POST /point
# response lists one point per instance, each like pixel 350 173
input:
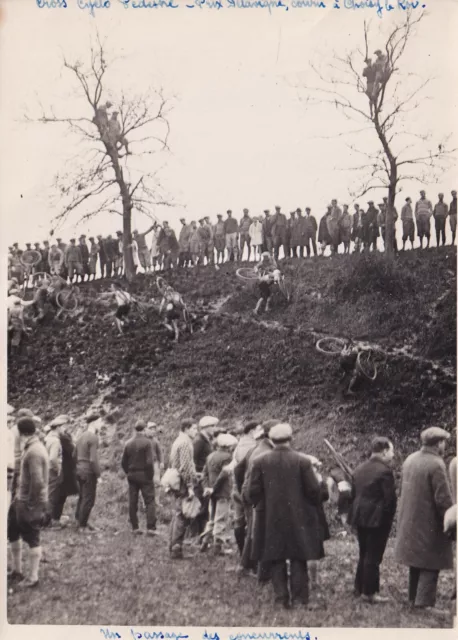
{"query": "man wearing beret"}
pixel 28 510
pixel 138 464
pixel 421 543
pixel 291 526
pixel 87 472
pixel 372 514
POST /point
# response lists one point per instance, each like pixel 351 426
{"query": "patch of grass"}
pixel 115 578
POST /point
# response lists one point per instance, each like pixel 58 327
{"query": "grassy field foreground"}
pixel 114 578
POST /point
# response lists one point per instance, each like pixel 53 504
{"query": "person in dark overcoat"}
pixel 372 513
pixel 285 483
pixel 255 521
pixel 421 542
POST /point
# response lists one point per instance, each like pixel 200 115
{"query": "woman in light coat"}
pixel 257 237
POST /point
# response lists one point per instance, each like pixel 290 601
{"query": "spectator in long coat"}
pixel 324 237
pixel 333 222
pixel 279 232
pixel 295 230
pixel 255 518
pixel 370 227
pixel 284 482
pixel 310 228
pixel 421 543
pixel 372 514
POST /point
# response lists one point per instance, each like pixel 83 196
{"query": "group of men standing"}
pixel 275 492
pixel 204 242
pixel 278 517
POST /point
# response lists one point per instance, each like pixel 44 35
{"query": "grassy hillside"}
pixel 239 367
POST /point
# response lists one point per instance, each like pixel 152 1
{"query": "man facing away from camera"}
pixel 372 514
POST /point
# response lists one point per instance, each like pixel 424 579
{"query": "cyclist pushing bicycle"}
pixel 175 307
pixel 268 274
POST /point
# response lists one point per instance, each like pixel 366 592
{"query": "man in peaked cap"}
pixel 138 465
pixel 421 543
pixel 290 528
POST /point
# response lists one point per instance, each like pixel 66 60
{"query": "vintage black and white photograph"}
pixel 229 246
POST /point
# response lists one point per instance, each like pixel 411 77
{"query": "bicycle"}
pixel 250 275
pixel 67 299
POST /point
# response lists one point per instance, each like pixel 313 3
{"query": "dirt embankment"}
pixel 240 367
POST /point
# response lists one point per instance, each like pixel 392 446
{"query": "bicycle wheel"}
pixel 366 365
pixel 30 258
pixel 330 346
pixel 161 285
pixel 285 288
pixel 67 300
pixel 247 274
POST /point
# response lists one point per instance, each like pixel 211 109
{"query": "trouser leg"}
pixel 88 488
pixel 414 575
pixel 149 498
pixel 279 581
pixel 133 504
pixel 427 588
pixel 178 526
pixel 299 581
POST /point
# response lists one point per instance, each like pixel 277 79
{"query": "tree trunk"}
pixel 126 212
pixel 127 231
pixel 389 222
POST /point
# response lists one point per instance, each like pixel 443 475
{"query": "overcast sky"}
pixel 240 136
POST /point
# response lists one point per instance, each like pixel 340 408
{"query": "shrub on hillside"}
pixel 372 273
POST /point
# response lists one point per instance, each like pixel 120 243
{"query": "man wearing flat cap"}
pixel 138 465
pixel 202 446
pixel 255 513
pixel 291 526
pixel 87 472
pixel 421 543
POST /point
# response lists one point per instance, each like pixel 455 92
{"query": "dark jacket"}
pixel 202 449
pixel 214 477
pixel 374 495
pixel 284 480
pixel 84 252
pixel 137 459
pixel 68 472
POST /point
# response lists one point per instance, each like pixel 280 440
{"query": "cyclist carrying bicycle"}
pixel 47 292
pixel 269 275
pixel 123 304
pixel 175 307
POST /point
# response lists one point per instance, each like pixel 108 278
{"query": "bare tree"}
pixel 381 98
pixel 106 177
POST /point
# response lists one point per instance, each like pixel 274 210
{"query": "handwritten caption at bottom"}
pixel 133 634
